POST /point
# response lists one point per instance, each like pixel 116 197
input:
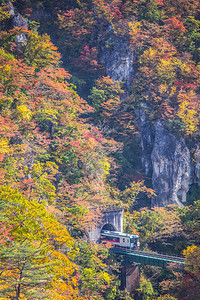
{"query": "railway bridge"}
pixel 132 259
pixel 111 218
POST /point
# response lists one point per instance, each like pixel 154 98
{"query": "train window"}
pixel 123 240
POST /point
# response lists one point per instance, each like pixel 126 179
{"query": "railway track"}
pixel 148 258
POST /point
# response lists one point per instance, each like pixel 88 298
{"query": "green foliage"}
pixel 146 289
pixel 95 272
pixel 105 96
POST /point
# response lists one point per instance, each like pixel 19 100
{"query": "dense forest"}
pixel 70 139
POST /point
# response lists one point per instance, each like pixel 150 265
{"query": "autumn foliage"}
pixel 61 154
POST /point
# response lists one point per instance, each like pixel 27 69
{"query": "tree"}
pixel 33 261
pixel 105 96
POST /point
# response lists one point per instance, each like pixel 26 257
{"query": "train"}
pixel 119 239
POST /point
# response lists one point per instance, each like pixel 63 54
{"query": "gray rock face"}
pixel 196 177
pixel 146 141
pixel 18 21
pixel 171 168
pixel 118 57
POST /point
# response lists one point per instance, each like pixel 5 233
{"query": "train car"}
pixel 119 239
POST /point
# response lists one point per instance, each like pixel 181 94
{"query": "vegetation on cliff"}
pixel 60 154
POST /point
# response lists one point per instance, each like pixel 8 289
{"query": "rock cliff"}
pixel 18 21
pixel 118 57
pixel 171 167
pixel 164 156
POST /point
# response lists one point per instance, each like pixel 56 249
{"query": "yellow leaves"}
pixel 106 277
pixel 106 166
pixel 129 195
pixel 42 175
pixel 187 113
pixel 190 249
pixel 148 55
pixel 4 13
pixel 166 70
pixel 5 73
pixel 31 217
pixel 192 260
pixel 65 283
pixel 39 51
pixel 24 111
pixel 65 290
pixel 163 88
pixel 47 112
pixel 4 145
pixel 134 26
pixel 38 228
pixel 63 267
pixel 134 31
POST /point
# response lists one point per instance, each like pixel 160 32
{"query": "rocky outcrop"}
pixel 18 21
pixel 118 57
pixel 164 156
pixel 171 167
pixel 196 176
pixel 146 141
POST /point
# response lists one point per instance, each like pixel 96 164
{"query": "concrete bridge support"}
pixel 130 277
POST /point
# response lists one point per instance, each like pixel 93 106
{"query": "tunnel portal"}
pixel 111 219
pixel 109 227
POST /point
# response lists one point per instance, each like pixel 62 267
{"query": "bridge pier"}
pixel 130 277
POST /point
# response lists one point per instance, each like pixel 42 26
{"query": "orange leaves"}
pixel 175 25
pixel 106 95
pixel 108 9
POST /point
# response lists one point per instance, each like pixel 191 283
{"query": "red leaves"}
pixel 88 61
pixel 175 24
pixel 185 85
pixel 5 233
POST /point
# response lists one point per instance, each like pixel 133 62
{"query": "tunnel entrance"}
pixel 109 227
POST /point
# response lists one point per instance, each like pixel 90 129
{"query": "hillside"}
pixel 99 105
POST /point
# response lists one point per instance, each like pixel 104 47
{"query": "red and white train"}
pixel 119 239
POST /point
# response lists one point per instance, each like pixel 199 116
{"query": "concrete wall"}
pixel 111 219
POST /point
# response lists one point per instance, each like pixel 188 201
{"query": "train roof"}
pixel 118 233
